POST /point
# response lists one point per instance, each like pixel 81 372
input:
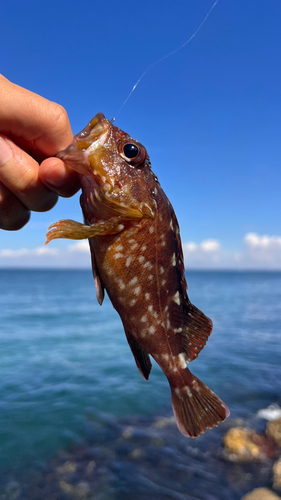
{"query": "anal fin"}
pixel 142 358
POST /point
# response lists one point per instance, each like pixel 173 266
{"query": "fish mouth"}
pixel 76 155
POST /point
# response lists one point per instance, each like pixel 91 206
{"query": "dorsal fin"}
pixel 178 253
pixel 193 327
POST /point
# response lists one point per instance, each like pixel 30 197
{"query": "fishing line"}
pixel 168 55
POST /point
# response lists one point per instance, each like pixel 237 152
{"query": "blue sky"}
pixel 209 116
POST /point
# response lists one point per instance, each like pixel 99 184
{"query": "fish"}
pixel 137 259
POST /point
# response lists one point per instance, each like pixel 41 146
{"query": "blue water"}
pixel 65 360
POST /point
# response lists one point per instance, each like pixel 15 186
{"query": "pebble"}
pixel 273 429
pixel 247 445
pixel 261 494
pixel 277 475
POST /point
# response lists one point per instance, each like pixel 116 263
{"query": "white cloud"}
pixel 257 252
pixel 209 246
pixel 80 246
pixel 23 252
pixel 253 240
pixel 202 255
pixel 76 255
pixel 262 251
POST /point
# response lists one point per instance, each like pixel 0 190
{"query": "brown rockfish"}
pixel 137 258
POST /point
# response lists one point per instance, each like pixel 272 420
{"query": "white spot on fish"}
pixel 133 281
pixel 128 261
pixel 148 265
pixel 147 296
pixel 141 259
pixel 118 255
pixel 137 290
pixel 151 329
pixel 151 229
pixel 188 391
pixel 121 284
pixel 177 330
pixel 119 248
pixel 166 357
pixel 174 262
pixel 132 303
pixel 143 248
pixel 163 282
pixel 143 319
pixel 150 277
pixel 177 298
pixel 120 227
pixel 132 240
pixel 177 391
pixel 171 225
pixel 133 247
pixel 161 270
pixel 182 361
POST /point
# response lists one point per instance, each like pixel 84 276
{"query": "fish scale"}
pixel 137 258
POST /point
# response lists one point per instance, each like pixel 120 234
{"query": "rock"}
pixel 67 467
pixel 163 422
pixel 261 494
pixel 273 429
pixel 273 412
pixel 247 445
pixel 137 453
pixel 90 467
pixel 277 475
pixel 80 491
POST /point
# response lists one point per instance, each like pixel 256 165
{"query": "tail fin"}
pixel 195 406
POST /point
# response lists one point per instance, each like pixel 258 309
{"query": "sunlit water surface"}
pixel 65 360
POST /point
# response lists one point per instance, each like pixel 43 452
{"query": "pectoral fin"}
pixel 73 230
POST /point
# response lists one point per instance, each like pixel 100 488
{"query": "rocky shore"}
pixel 147 458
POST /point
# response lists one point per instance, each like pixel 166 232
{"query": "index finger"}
pixel 33 118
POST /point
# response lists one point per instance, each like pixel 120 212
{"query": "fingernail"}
pixel 5 152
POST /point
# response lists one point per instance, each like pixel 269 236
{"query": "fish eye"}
pixel 133 152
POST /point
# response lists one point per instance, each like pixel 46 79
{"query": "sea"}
pixel 67 373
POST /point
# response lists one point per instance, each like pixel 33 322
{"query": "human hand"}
pixel 32 130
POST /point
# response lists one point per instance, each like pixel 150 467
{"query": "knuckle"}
pixel 60 117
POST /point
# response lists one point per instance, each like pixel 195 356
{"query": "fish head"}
pixel 114 168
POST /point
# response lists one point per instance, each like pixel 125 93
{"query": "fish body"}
pixel 137 258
